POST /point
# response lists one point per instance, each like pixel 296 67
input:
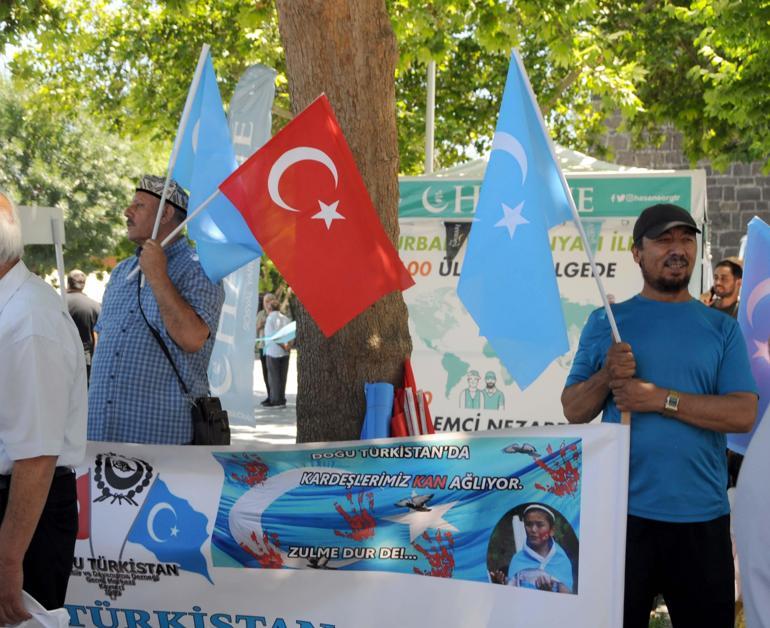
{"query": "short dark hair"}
pixel 734 267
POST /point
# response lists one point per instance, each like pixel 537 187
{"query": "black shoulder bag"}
pixel 209 421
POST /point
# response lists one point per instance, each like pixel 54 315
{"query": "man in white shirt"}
pixel 277 354
pixel 42 431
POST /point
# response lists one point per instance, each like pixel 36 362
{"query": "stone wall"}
pixel 734 196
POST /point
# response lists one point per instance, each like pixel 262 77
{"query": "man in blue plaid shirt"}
pixel 135 396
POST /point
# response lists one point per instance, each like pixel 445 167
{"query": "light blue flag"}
pixel 285 334
pixel 206 158
pixel 171 529
pixel 507 281
pixel 754 320
pixel 232 360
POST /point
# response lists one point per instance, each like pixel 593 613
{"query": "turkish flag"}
pixel 84 505
pixel 306 203
pixel 398 420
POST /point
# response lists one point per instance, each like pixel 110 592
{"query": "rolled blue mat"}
pixel 379 408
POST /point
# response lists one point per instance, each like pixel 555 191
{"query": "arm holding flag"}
pixel 616 375
pixel 183 324
pixel 583 401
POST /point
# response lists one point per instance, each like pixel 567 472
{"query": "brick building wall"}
pixel 735 196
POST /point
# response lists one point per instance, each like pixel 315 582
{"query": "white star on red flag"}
pixel 328 213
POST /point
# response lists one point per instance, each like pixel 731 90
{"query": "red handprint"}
pixel 267 551
pixel 360 520
pixel 255 471
pixel 565 475
pixel 440 555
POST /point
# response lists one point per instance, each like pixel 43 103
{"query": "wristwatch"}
pixel 671 404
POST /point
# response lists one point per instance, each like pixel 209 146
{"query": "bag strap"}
pixel 156 335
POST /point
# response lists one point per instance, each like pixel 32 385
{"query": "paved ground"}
pixel 273 425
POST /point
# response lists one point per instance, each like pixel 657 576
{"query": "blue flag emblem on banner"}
pixel 754 320
pixel 507 283
pixel 171 529
pixel 206 158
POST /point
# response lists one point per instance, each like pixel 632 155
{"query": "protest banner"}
pixel 398 532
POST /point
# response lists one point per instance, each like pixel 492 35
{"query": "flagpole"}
pixel 177 144
pixel 430 112
pixel 180 134
pixel 133 523
pixel 190 216
pixel 625 417
pixel 181 226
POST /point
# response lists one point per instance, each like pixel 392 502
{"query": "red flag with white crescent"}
pixel 306 203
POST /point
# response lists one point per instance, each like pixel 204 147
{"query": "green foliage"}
pixel 565 44
pixel 270 279
pixel 131 62
pixel 69 162
pixel 659 622
pixel 21 17
pixel 706 73
pixel 734 60
pixel 697 64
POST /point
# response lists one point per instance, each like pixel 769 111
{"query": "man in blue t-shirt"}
pixel 682 370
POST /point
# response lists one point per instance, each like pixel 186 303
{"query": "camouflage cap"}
pixel 175 195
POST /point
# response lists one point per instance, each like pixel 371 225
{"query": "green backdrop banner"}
pixel 600 197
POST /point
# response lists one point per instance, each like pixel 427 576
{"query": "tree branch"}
pixel 563 85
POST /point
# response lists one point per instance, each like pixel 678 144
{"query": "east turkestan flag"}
pixel 507 282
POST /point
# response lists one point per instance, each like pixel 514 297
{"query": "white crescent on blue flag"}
pixel 754 320
pixel 206 157
pixel 171 529
pixel 507 283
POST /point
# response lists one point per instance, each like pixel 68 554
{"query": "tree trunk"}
pixel 347 49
